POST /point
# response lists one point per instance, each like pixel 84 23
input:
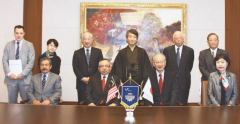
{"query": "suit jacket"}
pixel 27 56
pixel 52 89
pixel 80 66
pixel 157 98
pixel 120 65
pixel 56 62
pixel 206 64
pixel 94 90
pixel 214 89
pixel 178 79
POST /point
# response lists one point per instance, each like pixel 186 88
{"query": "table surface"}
pixel 77 114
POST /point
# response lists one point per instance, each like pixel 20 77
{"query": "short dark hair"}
pixel 18 27
pixel 46 58
pixel 132 31
pixel 210 34
pixel 222 56
pixel 54 41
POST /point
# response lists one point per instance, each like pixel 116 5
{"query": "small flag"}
pixel 147 91
pixel 112 93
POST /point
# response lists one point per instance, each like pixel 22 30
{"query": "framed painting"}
pixel 155 22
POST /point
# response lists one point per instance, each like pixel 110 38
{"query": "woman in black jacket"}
pixel 52 45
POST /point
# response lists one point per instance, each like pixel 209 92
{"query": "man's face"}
pixel 45 66
pixel 19 34
pixel 104 67
pixel 51 47
pixel 87 40
pixel 131 39
pixel 159 63
pixel 178 39
pixel 213 41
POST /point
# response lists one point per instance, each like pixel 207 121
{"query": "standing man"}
pixel 132 60
pixel 157 76
pixel 85 64
pixel 178 71
pixel 206 64
pixel 45 87
pixel 100 84
pixel 18 60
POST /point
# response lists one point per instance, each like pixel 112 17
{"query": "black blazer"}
pixel 80 66
pixel 157 98
pixel 206 64
pixel 56 62
pixel 94 89
pixel 178 79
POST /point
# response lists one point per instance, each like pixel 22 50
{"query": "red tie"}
pixel 160 83
pixel 103 83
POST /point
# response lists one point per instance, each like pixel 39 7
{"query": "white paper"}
pixel 15 66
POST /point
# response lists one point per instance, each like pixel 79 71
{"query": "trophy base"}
pixel 129 116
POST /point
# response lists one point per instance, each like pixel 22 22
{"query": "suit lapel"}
pixel 174 55
pixel 91 55
pixel 12 48
pixel 82 53
pixel 40 84
pixel 49 79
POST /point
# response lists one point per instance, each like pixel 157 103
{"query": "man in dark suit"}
pixel 85 64
pixel 45 87
pixel 100 84
pixel 206 64
pixel 157 78
pixel 132 60
pixel 178 71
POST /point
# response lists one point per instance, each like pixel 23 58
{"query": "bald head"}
pixel 87 39
pixel 178 38
pixel 159 62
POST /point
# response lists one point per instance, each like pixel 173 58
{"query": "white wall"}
pixel 61 20
pixel 11 12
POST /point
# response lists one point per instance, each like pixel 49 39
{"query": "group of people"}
pixel 169 73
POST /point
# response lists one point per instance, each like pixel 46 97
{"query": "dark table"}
pixel 76 114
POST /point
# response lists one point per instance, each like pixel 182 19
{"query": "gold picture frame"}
pixel 155 22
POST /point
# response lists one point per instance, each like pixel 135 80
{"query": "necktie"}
pixel 43 81
pixel 103 82
pixel 178 56
pixel 88 55
pixel 213 54
pixel 17 51
pixel 160 83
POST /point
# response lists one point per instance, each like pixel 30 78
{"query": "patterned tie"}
pixel 17 51
pixel 44 81
pixel 88 56
pixel 178 56
pixel 160 83
pixel 103 82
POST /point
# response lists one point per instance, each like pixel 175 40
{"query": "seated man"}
pixel 45 87
pixel 100 84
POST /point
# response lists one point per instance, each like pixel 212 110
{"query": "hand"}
pixel 113 104
pixel 13 76
pixel 91 104
pixel 85 80
pixel 20 76
pixel 36 102
pixel 46 102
